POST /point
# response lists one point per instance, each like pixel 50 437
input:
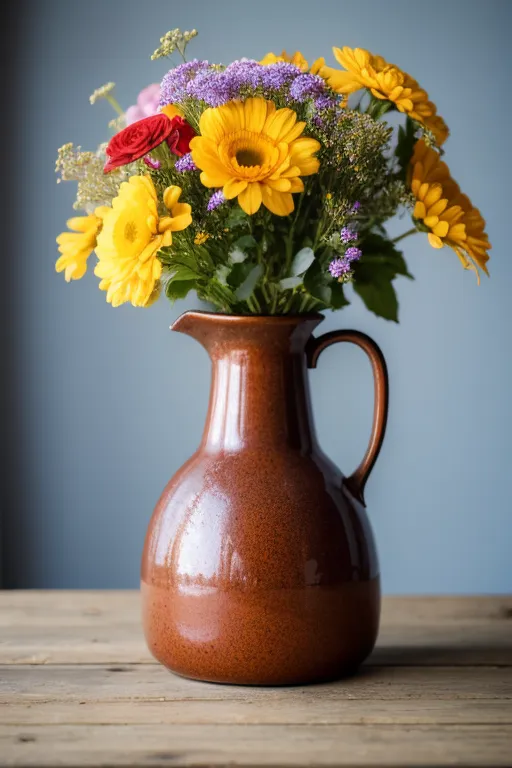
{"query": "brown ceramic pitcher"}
pixel 259 565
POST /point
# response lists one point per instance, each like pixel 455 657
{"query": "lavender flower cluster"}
pixel 215 86
pixel 215 200
pixel 342 266
pixel 185 163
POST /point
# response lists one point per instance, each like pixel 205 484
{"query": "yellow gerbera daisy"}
pixel 295 58
pixel 76 247
pixel 448 215
pixel 385 81
pixel 255 152
pixel 132 234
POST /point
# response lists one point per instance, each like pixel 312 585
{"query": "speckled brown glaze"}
pixel 259 565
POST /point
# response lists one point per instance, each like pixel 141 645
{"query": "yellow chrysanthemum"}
pixel 256 153
pixel 76 247
pixel 385 81
pixel 132 234
pixel 449 216
pixel 295 58
pixel 201 238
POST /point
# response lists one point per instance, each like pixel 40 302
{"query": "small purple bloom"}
pixel 339 267
pixel 278 75
pixel 173 87
pixel 215 200
pixel 356 206
pixel 347 235
pixel 306 87
pixel 185 163
pixel 324 101
pixel 353 254
pixel 152 163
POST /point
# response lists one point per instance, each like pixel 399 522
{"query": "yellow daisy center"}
pixel 248 156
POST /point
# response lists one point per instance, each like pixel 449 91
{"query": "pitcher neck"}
pixel 259 396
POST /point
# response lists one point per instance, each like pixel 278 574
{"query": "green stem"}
pixel 411 231
pixel 304 303
pixel 114 104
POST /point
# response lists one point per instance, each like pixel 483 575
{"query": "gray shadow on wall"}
pixel 11 303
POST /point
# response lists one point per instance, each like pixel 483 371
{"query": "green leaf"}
pixel 302 261
pixel 316 282
pixel 246 241
pixel 239 273
pixel 289 283
pixel 178 289
pixel 405 146
pixel 380 264
pixel 237 218
pixel 244 291
pixel 379 297
pixel 338 299
pixel 181 272
pixel 380 253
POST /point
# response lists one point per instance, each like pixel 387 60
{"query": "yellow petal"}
pixel 280 203
pixel 233 188
pixel 171 196
pixel 250 198
pixel 435 241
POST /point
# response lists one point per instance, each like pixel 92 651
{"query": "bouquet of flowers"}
pixel 265 186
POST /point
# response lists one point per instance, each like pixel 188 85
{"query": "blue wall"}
pixel 110 403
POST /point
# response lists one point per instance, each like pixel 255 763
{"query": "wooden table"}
pixel 78 687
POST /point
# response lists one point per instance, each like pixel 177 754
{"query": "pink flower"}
pixel 147 104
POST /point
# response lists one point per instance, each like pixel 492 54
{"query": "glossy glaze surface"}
pixel 259 565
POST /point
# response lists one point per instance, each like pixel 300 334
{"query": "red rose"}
pixel 180 137
pixel 137 140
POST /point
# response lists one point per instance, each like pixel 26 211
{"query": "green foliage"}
pixel 179 289
pixel 405 146
pixel 374 275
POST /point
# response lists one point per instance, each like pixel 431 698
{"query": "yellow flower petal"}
pixel 233 188
pixel 250 198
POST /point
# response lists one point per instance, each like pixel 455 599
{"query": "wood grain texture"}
pixel 255 745
pixel 104 628
pixel 78 687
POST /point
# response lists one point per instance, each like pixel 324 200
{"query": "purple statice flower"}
pixel 216 87
pixel 276 76
pixel 185 163
pixel 356 206
pixel 173 87
pixel 152 163
pixel 323 102
pixel 215 200
pixel 347 235
pixel 306 87
pixel 244 72
pixel 353 254
pixel 339 267
pixel 211 87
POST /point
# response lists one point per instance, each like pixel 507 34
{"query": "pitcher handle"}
pixel 357 481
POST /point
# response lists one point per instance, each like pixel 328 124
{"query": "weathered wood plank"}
pixel 293 711
pixel 111 607
pixel 398 645
pixel 250 745
pixel 153 683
